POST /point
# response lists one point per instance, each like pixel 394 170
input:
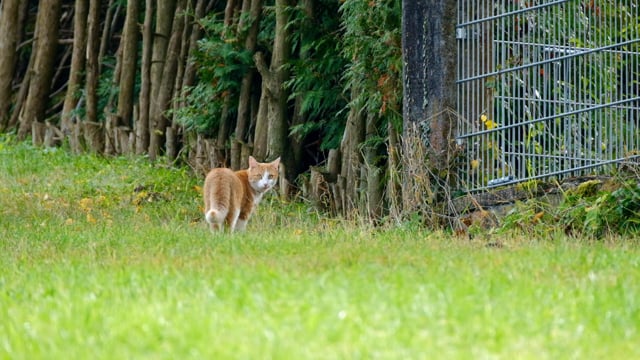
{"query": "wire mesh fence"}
pixel 546 88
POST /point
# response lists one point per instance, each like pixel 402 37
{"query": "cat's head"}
pixel 262 176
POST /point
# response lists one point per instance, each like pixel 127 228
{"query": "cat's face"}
pixel 263 176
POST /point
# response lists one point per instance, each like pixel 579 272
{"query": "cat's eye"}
pixel 271 176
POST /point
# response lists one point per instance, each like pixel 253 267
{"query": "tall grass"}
pixel 107 258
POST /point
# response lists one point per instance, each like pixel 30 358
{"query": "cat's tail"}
pixel 214 216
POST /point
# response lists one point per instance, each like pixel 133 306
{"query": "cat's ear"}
pixel 276 162
pixel 252 162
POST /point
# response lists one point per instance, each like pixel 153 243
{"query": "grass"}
pixel 109 259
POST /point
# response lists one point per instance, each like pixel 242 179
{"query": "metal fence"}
pixel 546 88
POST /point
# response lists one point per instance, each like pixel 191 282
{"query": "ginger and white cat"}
pixel 231 197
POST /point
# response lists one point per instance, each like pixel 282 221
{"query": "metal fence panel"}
pixel 546 88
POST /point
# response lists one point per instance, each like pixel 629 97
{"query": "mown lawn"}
pixel 109 259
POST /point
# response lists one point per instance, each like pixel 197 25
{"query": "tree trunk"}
pixel 192 142
pixel 440 77
pixel 67 125
pixel 244 102
pixel 394 179
pixel 165 13
pixel 110 109
pixel 142 125
pixel 111 14
pixel 174 131
pixel 429 50
pixel 297 143
pixel 9 10
pixel 92 76
pixel 274 78
pixel 261 132
pixel 190 68
pixel 230 12
pixel 23 14
pixel 162 102
pixel 45 49
pixel 373 170
pixel 128 68
pixel 349 178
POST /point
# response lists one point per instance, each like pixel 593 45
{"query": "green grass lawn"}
pixel 110 259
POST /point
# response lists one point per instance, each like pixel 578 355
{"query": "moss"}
pixel 587 188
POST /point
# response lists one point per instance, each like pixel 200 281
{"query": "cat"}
pixel 231 197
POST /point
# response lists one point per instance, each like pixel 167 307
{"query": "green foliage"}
pixel 372 46
pixel 604 212
pixel 592 209
pixel 353 44
pixel 317 74
pixel 107 90
pixel 221 61
pixel 200 113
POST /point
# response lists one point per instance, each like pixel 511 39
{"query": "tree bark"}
pixel 429 59
pixel 92 65
pixel 274 78
pixel 414 103
pixel 162 102
pixel 373 170
pixel 440 79
pixel 244 101
pixel 129 61
pixel 261 132
pixel 110 109
pixel 110 16
pixel 192 142
pixel 45 47
pixel 9 10
pixel 190 68
pixel 165 13
pixel 142 126
pixel 297 143
pixel 349 178
pixel 67 125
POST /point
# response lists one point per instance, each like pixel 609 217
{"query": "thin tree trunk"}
pixel 142 126
pixel 394 189
pixel 159 120
pixel 192 142
pixel 244 101
pixel 93 49
pixel 297 143
pixel 45 47
pixel 18 102
pixel 229 13
pixel 349 179
pixel 67 125
pixel 129 58
pixel 274 78
pixel 230 32
pixel 111 14
pixel 278 125
pixel 196 32
pixel 110 110
pixel 373 171
pixel 261 132
pixel 165 13
pixel 22 93
pixel 9 11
